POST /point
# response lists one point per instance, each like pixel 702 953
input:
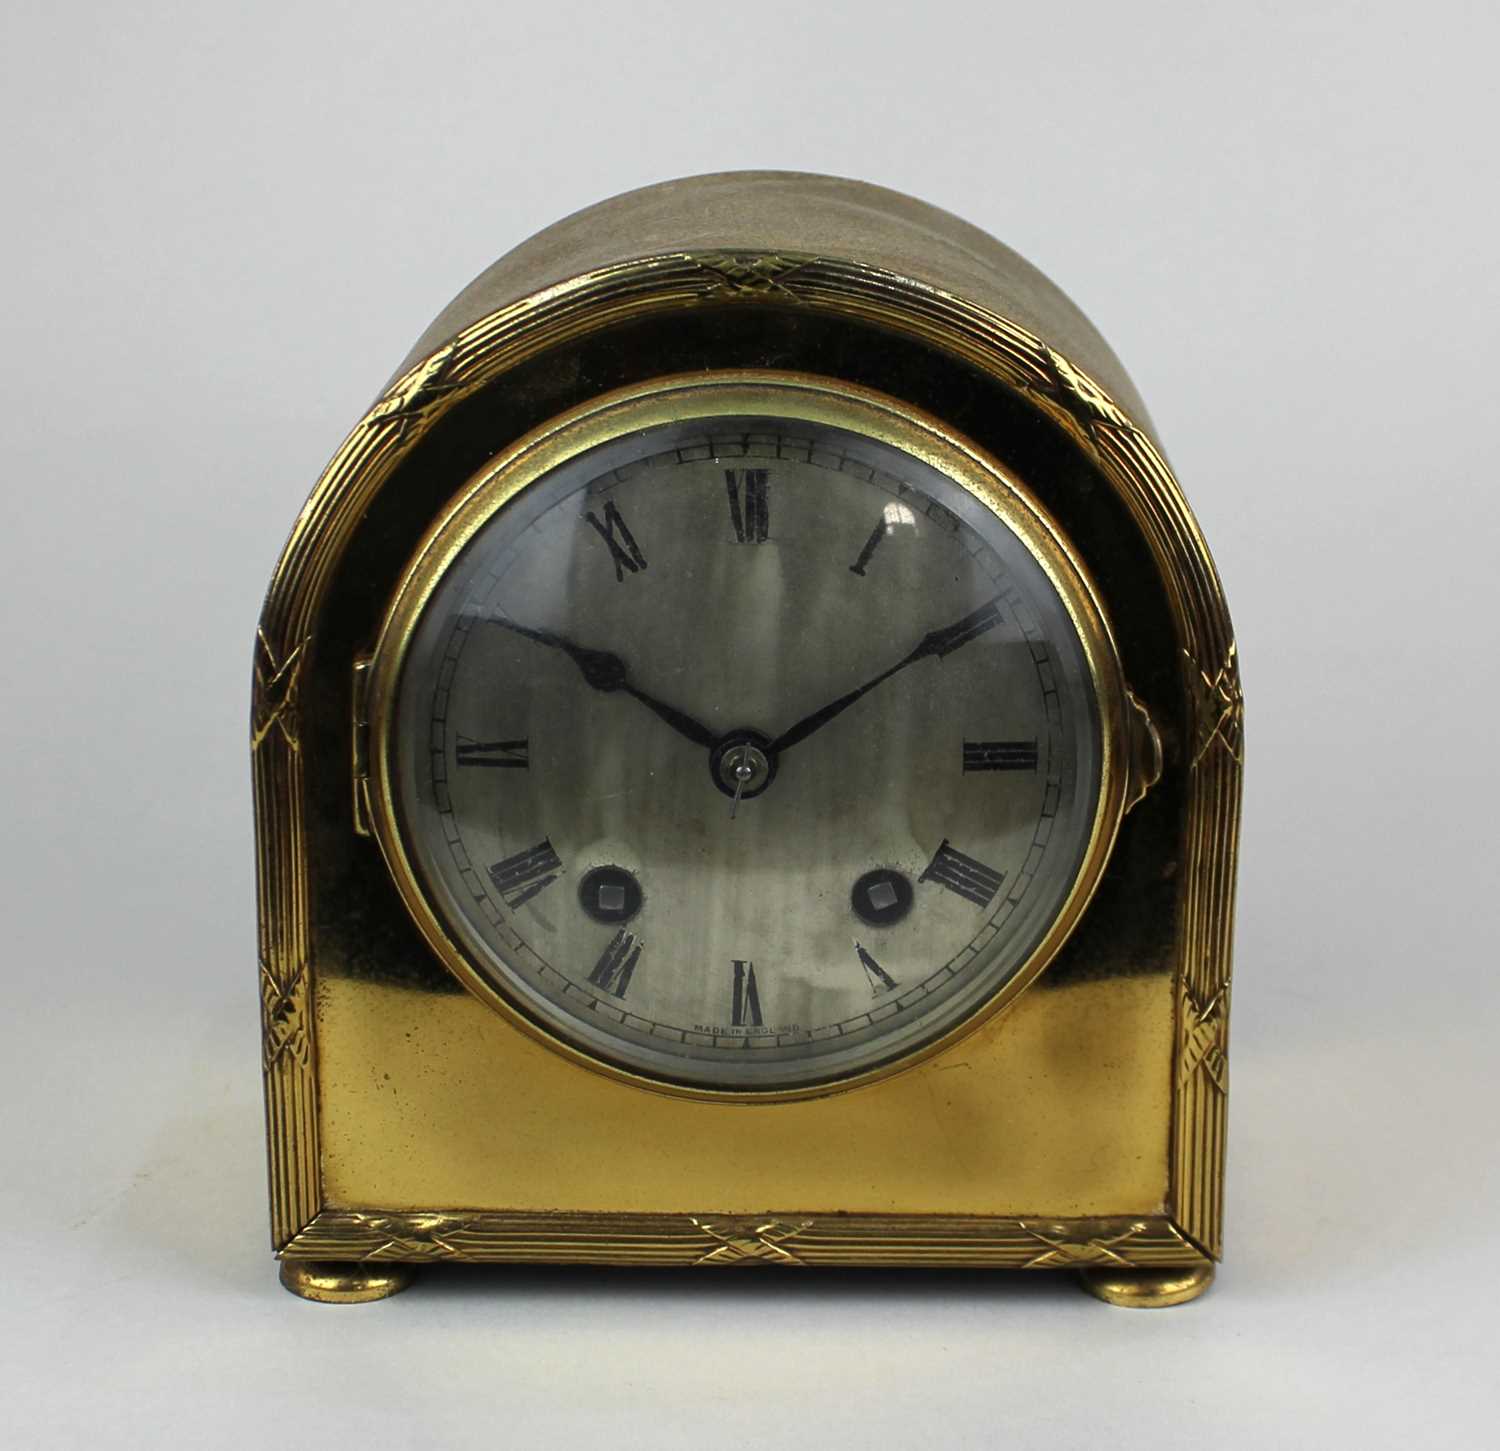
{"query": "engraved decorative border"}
pixel 281 889
pixel 744 1240
pixel 1018 358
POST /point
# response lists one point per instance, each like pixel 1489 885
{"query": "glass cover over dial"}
pixel 745 752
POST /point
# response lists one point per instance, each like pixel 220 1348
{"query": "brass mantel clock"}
pixel 747 761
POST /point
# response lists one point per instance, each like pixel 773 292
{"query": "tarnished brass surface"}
pixel 1085 1126
pixel 753 230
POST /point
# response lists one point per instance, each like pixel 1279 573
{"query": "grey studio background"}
pixel 226 224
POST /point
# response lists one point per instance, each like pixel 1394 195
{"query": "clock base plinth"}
pixel 1148 1289
pixel 332 1283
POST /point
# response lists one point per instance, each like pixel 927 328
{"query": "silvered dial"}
pixel 746 752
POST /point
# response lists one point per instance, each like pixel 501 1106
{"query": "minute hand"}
pixel 934 642
pixel 607 673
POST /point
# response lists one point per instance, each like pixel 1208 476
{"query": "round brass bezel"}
pixel 741 392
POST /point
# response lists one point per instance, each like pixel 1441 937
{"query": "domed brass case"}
pixel 1081 1128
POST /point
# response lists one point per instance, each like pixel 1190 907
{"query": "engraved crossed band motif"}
pixel 749 1240
pixel 1221 708
pixel 753 273
pixel 1065 1252
pixel 1202 1043
pixel 420 395
pixel 284 1017
pixel 1080 393
pixel 276 693
pixel 422 1236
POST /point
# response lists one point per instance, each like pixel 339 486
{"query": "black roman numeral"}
pixel 613 971
pixel 503 755
pixel 624 551
pixel 962 874
pixel 871 545
pixel 746 1007
pixel 880 980
pixel 999 755
pixel 520 877
pixel 752 521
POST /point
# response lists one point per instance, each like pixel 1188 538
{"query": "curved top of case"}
pixel 799 213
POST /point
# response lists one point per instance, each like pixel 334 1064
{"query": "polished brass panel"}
pixel 1058 1108
pixel 1086 1121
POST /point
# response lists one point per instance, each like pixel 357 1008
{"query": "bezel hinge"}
pixel 1144 762
pixel 360 745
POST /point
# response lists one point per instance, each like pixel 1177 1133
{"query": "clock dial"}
pixel 746 752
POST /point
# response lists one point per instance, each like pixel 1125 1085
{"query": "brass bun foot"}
pixel 1148 1289
pixel 332 1283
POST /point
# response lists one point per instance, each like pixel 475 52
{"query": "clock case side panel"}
pixel 536 358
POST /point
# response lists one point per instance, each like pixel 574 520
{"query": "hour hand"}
pixel 600 668
pixel 606 672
